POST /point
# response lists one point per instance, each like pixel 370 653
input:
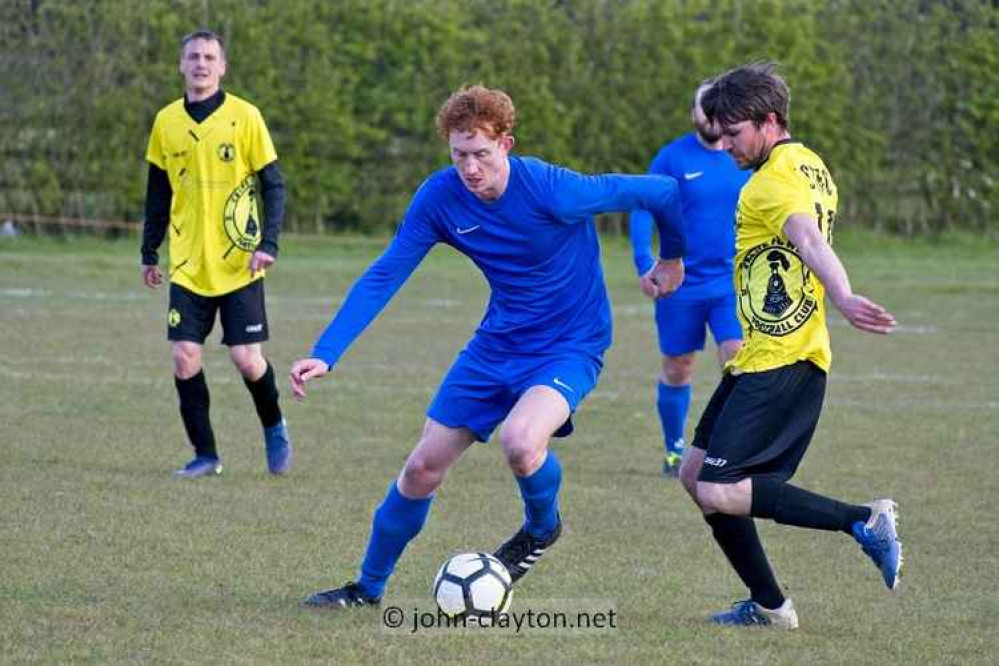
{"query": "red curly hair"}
pixel 476 108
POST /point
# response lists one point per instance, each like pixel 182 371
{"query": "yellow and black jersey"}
pixel 214 220
pixel 780 301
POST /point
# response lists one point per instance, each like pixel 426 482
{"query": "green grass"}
pixel 106 559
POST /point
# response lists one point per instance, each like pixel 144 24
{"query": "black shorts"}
pixel 760 423
pixel 191 316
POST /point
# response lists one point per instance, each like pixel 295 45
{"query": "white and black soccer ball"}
pixel 473 585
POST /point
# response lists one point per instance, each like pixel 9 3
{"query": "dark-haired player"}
pixel 760 420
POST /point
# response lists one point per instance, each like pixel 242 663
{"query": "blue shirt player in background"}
pixel 710 182
pixel 528 226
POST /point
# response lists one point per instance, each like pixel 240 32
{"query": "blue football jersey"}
pixel 710 182
pixel 536 245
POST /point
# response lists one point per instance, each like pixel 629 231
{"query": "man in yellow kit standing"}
pixel 209 155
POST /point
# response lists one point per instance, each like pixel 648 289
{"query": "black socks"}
pixel 741 544
pixel 265 397
pixel 194 403
pixel 790 505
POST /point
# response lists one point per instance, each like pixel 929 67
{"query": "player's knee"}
pixel 521 457
pixel 523 462
pixel 186 359
pixel 248 361
pixel 421 476
pixel 678 370
pixel 710 497
pixel 719 498
pixel 522 448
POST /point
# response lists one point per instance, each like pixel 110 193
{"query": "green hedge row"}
pixel 901 97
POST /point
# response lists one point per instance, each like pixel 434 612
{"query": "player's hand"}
pixel 259 261
pixel 152 276
pixel 666 276
pixel 865 314
pixel 648 285
pixel 304 370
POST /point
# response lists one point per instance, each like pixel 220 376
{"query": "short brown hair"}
pixel 206 34
pixel 749 92
pixel 473 108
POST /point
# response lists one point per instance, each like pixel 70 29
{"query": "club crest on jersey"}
pixel 226 152
pixel 240 217
pixel 776 296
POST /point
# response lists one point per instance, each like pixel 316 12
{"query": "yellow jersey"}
pixel 780 301
pixel 215 223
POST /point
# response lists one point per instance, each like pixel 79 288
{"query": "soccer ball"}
pixel 473 585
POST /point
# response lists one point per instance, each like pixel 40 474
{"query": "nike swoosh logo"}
pixel 559 382
pixel 467 230
pixel 692 176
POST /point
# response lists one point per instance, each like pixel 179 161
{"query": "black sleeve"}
pixel 158 197
pixel 272 193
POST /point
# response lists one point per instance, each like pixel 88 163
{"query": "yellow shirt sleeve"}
pixel 261 150
pixel 154 153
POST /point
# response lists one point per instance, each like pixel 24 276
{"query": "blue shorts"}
pixel 681 322
pixel 482 387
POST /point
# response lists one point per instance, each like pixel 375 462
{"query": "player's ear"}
pixel 506 142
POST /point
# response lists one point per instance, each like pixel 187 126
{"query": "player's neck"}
pixel 782 136
pixel 708 145
pixel 200 94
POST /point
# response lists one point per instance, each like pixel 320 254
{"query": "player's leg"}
pixel 735 535
pixel 524 438
pixel 190 320
pixel 680 325
pixel 244 324
pixel 756 446
pixel 673 395
pixel 551 392
pixel 401 515
pixel 797 393
pixel 690 468
pixel 469 404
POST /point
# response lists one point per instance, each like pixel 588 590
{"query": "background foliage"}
pixel 899 96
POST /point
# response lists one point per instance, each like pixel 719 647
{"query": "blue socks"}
pixel 540 493
pixel 397 520
pixel 673 403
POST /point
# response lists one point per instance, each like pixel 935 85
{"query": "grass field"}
pixel 106 559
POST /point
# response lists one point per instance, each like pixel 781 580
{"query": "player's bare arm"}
pixel 818 255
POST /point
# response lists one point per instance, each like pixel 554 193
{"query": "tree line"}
pixel 900 97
